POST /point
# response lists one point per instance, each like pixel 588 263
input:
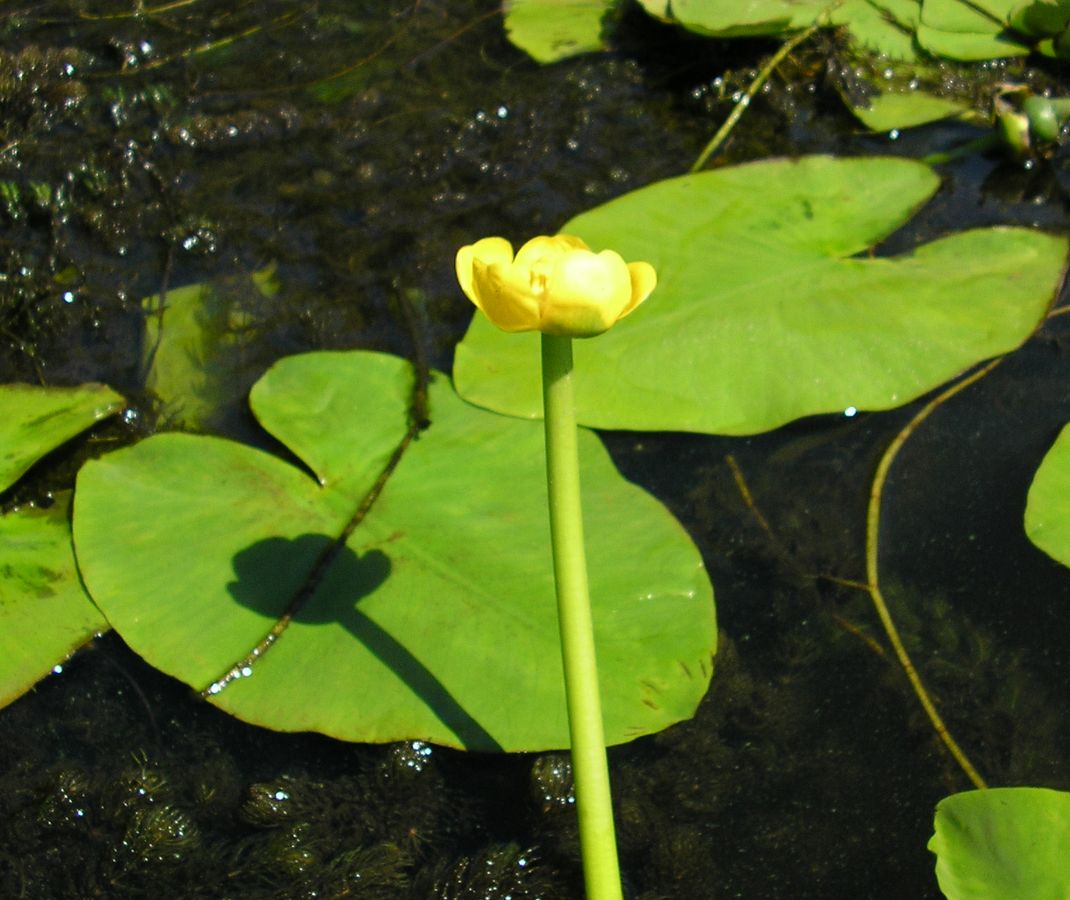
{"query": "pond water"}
pixel 353 146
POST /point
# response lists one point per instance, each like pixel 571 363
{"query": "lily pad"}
pixel 968 31
pixel 45 614
pixel 770 306
pixel 551 30
pixel 1003 842
pixel 884 28
pixel 1041 18
pixel 956 29
pixel 35 420
pixel 907 109
pixel 904 13
pixel 436 619
pixel 192 348
pixel 730 18
pixel 1047 22
pixel 1047 511
pixel 881 27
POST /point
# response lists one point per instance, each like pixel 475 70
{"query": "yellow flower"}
pixel 556 285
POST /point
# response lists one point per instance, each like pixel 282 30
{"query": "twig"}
pixel 873 515
pixel 139 11
pixel 756 85
pixel 748 498
pixel 789 558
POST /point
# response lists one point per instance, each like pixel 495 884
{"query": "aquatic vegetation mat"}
pixel 898 29
pixel 895 53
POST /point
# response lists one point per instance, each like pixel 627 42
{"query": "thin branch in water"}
pixel 748 498
pixel 139 10
pixel 786 555
pixel 853 629
pixel 207 47
pixel 756 85
pixel 873 515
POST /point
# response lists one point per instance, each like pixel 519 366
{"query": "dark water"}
pixel 355 146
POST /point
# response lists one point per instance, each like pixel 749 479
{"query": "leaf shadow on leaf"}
pixel 333 591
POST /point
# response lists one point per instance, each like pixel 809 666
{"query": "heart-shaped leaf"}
pixel 45 614
pixel 1003 842
pixel 768 306
pixel 436 618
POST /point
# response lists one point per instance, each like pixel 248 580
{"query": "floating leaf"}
pixel 436 620
pixel 1003 842
pixel 730 18
pixel 957 29
pixel 959 17
pixel 904 13
pixel 1047 22
pixel 970 31
pixel 875 28
pixel 193 338
pixel 44 613
pixel 35 420
pixel 1040 18
pixel 871 24
pixel 896 30
pixel 905 110
pixel 1047 511
pixel 551 30
pixel 768 306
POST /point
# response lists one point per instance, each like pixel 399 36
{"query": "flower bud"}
pixel 556 285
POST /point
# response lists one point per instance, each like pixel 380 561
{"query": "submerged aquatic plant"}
pixel 557 286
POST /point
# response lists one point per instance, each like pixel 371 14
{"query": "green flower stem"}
pixel 590 771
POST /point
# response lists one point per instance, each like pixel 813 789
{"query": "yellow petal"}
pixel 490 251
pixel 504 294
pixel 644 280
pixel 543 247
pixel 555 284
pixel 586 294
pixel 572 242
